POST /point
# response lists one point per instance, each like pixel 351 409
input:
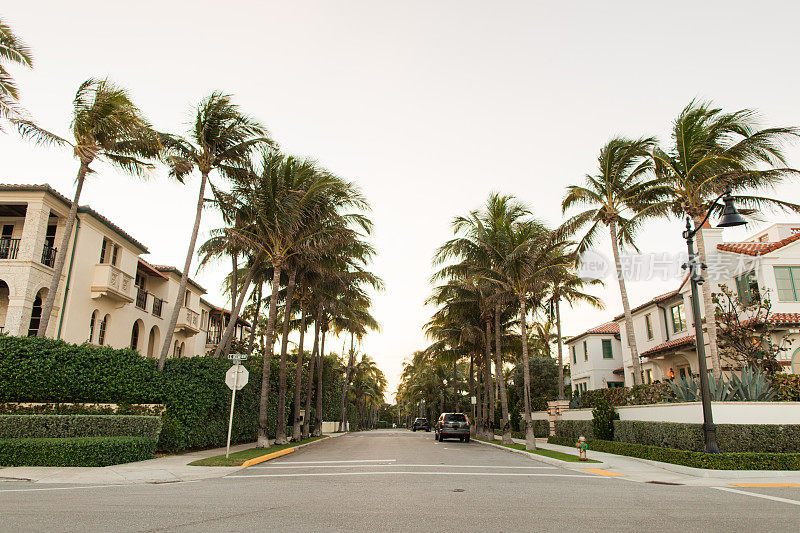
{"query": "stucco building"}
pixel 109 295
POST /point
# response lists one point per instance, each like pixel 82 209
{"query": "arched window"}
pixel 92 322
pixel 182 349
pixel 152 342
pixel 135 336
pixel 796 362
pixel 101 338
pixel 175 350
pixel 36 315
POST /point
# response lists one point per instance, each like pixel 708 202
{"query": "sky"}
pixel 429 106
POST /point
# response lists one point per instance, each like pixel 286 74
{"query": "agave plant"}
pixel 721 390
pixel 751 386
pixel 685 390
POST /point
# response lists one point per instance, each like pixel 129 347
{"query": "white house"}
pixel 108 294
pixel 595 357
pixel 765 265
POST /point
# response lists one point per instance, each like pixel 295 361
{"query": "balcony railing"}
pixel 9 248
pixel 188 321
pixel 49 255
pixel 158 303
pixel 141 298
pixel 111 282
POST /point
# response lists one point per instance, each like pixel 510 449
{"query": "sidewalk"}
pixel 168 469
pixel 643 470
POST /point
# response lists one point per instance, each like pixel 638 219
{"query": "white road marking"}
pixel 406 465
pixel 756 495
pixel 326 462
pixel 378 473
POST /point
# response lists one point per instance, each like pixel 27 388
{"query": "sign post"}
pixel 235 378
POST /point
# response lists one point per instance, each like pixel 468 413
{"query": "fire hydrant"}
pixel 582 446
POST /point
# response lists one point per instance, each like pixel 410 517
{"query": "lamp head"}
pixel 730 216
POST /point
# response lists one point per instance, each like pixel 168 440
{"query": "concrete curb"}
pixel 543 458
pixel 285 451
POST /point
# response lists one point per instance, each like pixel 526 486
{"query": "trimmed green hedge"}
pixel 75 451
pixel 572 429
pixel 11 408
pixel 61 426
pixel 762 438
pixel 716 461
pixel 36 369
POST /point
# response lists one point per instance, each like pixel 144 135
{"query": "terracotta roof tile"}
pixel 669 345
pixel 757 248
pixel 609 328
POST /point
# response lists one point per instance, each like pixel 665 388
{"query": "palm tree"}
pixel 712 150
pixel 222 139
pixel 566 286
pixel 106 125
pixel 613 198
pixel 12 50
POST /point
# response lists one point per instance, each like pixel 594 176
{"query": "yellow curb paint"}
pixel 600 472
pixel 267 457
pixel 765 484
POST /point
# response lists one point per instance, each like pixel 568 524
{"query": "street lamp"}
pixel 730 218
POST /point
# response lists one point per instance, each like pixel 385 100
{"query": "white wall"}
pixel 723 413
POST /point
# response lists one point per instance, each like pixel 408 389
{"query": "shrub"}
pixel 13 408
pixel 60 426
pixel 75 451
pixel 193 389
pixel 603 416
pixel 717 461
pixel 761 438
pixel 572 429
pixel 539 403
pixel 787 387
pixel 636 395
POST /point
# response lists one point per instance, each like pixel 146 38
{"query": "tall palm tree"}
pixel 711 150
pixel 106 126
pixel 613 198
pixel 566 286
pixel 221 139
pixel 12 50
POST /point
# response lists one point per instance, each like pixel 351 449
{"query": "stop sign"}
pixel 231 378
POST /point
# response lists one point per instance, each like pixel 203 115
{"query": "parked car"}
pixel 452 425
pixel 420 423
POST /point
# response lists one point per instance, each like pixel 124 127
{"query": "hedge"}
pixel 716 461
pixel 197 401
pixel 53 408
pixel 75 451
pixel 572 429
pixel 788 387
pixel 762 438
pixel 61 426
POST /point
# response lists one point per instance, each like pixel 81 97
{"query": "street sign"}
pixel 473 400
pixel 237 356
pixel 236 376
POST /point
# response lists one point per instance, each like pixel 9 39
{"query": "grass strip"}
pixel 561 456
pixel 237 458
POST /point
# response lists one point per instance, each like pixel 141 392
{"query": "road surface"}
pixel 393 480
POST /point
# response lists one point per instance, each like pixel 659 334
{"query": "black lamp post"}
pixel 730 218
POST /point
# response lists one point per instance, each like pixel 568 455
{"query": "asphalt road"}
pixel 398 481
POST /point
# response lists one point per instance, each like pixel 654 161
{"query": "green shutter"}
pixel 608 353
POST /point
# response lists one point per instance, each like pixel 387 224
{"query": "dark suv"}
pixel 420 423
pixel 455 425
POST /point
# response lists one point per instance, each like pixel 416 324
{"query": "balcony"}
pixel 188 322
pixel 141 298
pixel 49 255
pixel 9 248
pixel 112 283
pixel 158 304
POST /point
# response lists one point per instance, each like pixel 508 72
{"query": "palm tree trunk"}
pixel 479 428
pixel 234 288
pixel 320 362
pixel 263 439
pixel 488 412
pixel 298 376
pixel 280 427
pixel 230 328
pixel 530 438
pixel 626 306
pixel 455 386
pixel 708 306
pixel 310 379
pixel 176 308
pixel 61 256
pixel 256 317
pixel 347 374
pixel 501 382
pixel 473 407
pixel 560 355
